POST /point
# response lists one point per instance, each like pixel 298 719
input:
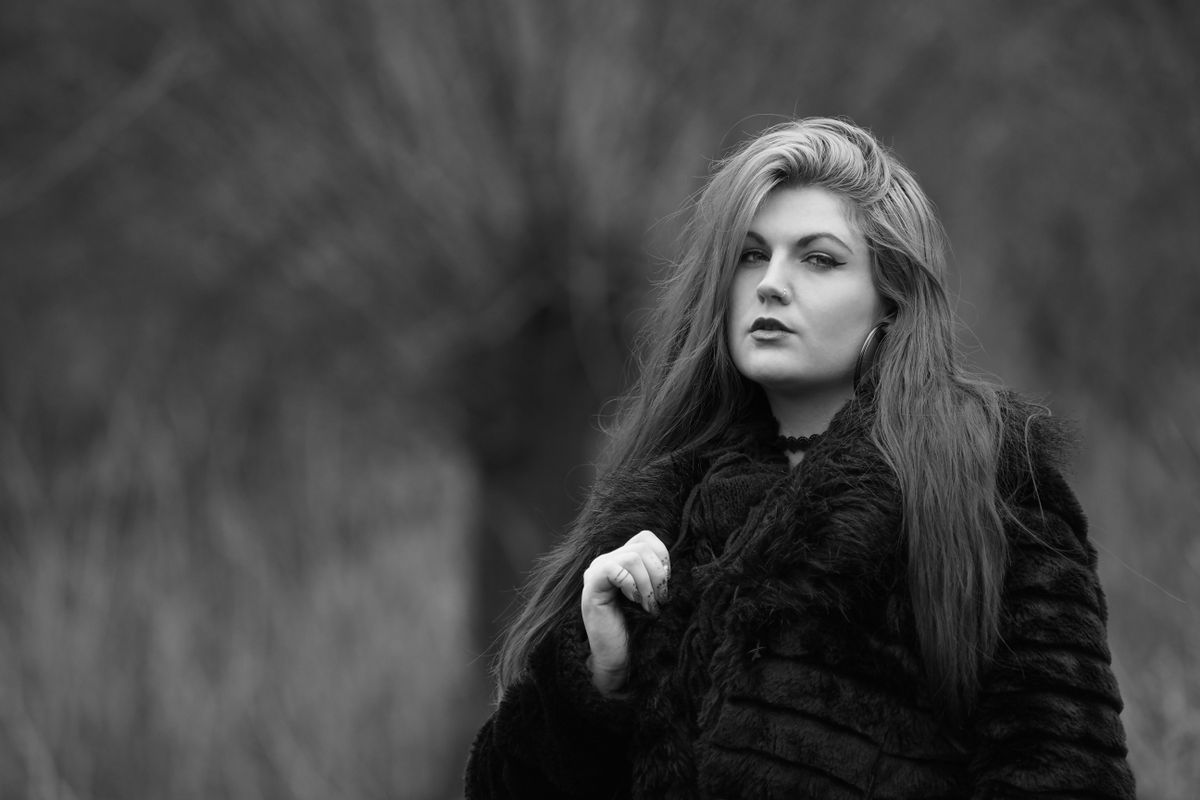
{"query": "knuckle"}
pixel 650 541
pixel 612 562
pixel 630 558
pixel 601 565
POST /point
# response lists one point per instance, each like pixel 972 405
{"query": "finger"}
pixel 659 573
pixel 651 548
pixel 661 578
pixel 607 572
pixel 635 565
pixel 623 579
pixel 650 539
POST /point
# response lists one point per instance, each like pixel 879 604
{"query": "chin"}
pixel 768 369
pixel 796 382
pixel 776 379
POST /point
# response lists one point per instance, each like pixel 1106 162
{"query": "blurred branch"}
pixel 97 132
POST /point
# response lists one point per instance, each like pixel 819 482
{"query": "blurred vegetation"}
pixel 307 309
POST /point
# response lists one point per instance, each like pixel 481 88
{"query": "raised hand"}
pixel 639 570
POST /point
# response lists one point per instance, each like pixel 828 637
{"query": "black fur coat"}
pixel 785 663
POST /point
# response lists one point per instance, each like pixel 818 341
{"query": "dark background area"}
pixel 308 308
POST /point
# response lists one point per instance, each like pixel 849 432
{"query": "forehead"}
pixel 797 210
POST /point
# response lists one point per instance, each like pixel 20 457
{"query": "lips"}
pixel 769 324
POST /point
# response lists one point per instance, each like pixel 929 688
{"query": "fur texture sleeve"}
pixel 553 735
pixel 1048 719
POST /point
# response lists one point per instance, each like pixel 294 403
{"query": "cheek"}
pixel 867 304
pixel 873 311
pixel 854 317
pixel 741 295
pixel 740 288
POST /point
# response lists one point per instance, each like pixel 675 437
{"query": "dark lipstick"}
pixel 769 324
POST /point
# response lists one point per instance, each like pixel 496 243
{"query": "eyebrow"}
pixel 804 241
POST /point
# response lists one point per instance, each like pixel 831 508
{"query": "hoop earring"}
pixel 868 354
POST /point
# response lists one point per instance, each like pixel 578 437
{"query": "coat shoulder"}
pixel 1035 454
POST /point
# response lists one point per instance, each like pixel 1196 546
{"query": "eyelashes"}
pixel 823 261
pixel 819 260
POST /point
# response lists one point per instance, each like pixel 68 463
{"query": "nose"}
pixel 773 286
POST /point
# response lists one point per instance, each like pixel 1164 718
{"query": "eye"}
pixel 823 261
pixel 753 255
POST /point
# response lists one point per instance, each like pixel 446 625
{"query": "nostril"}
pixel 781 294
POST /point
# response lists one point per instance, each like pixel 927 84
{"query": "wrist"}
pixel 609 681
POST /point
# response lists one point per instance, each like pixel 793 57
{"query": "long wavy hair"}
pixel 939 429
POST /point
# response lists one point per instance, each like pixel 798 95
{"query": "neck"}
pixel 807 413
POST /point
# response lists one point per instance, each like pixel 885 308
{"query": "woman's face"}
pixel 802 299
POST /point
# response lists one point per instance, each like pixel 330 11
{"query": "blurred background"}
pixel 308 309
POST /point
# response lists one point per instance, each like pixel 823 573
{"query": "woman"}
pixel 820 561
